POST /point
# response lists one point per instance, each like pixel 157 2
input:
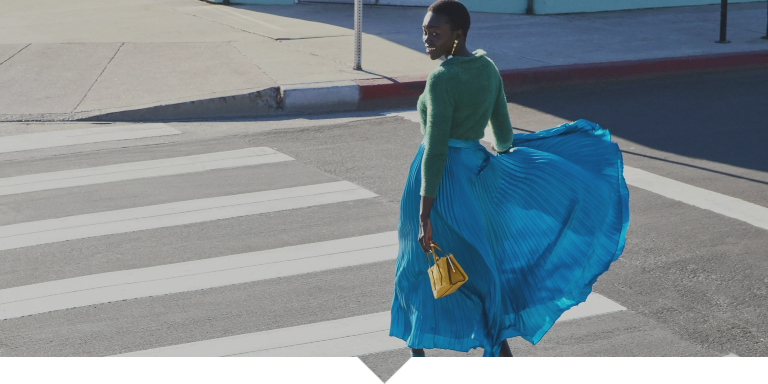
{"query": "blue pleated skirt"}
pixel 533 229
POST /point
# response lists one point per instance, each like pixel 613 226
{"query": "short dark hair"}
pixel 456 12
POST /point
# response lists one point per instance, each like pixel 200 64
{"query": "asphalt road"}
pixel 693 281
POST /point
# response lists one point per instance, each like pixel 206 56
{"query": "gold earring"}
pixel 454 46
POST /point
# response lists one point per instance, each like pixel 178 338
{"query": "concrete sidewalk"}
pixel 187 59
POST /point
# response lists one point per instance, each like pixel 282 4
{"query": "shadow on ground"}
pixel 719 117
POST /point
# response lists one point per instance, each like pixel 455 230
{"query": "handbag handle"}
pixel 433 254
pixel 444 255
pixel 435 257
pixel 433 245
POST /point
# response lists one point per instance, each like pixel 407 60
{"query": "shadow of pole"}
pixel 766 25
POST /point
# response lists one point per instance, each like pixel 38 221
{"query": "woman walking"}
pixel 532 226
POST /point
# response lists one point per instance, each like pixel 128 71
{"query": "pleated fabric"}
pixel 533 229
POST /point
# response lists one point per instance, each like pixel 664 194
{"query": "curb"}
pixel 403 92
pixel 391 93
pixel 320 97
pixel 526 79
pixel 399 93
pixel 260 102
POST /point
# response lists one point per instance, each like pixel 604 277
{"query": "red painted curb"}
pixel 407 89
pixel 390 88
pixel 617 70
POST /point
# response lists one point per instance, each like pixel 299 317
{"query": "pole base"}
pixel 722 41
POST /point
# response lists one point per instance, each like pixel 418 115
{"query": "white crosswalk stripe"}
pixel 83 136
pixel 351 336
pixel 194 275
pixel 698 197
pixel 138 170
pixel 172 214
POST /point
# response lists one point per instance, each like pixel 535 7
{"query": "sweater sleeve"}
pixel 500 125
pixel 439 116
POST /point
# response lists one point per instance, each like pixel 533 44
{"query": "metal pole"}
pixel 723 21
pixel 766 31
pixel 358 35
pixel 529 8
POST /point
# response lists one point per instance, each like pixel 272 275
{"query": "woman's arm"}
pixel 500 125
pixel 439 118
pixel 425 224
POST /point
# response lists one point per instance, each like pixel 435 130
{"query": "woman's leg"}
pixel 505 351
pixel 417 352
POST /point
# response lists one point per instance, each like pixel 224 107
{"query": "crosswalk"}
pixel 343 335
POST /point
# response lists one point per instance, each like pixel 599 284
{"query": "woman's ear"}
pixel 459 34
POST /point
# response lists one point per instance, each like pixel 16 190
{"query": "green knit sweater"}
pixel 462 96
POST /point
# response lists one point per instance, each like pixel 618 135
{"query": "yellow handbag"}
pixel 446 275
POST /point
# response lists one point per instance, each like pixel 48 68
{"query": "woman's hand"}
pixel 425 224
pixel 425 233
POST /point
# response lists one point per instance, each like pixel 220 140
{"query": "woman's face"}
pixel 438 35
